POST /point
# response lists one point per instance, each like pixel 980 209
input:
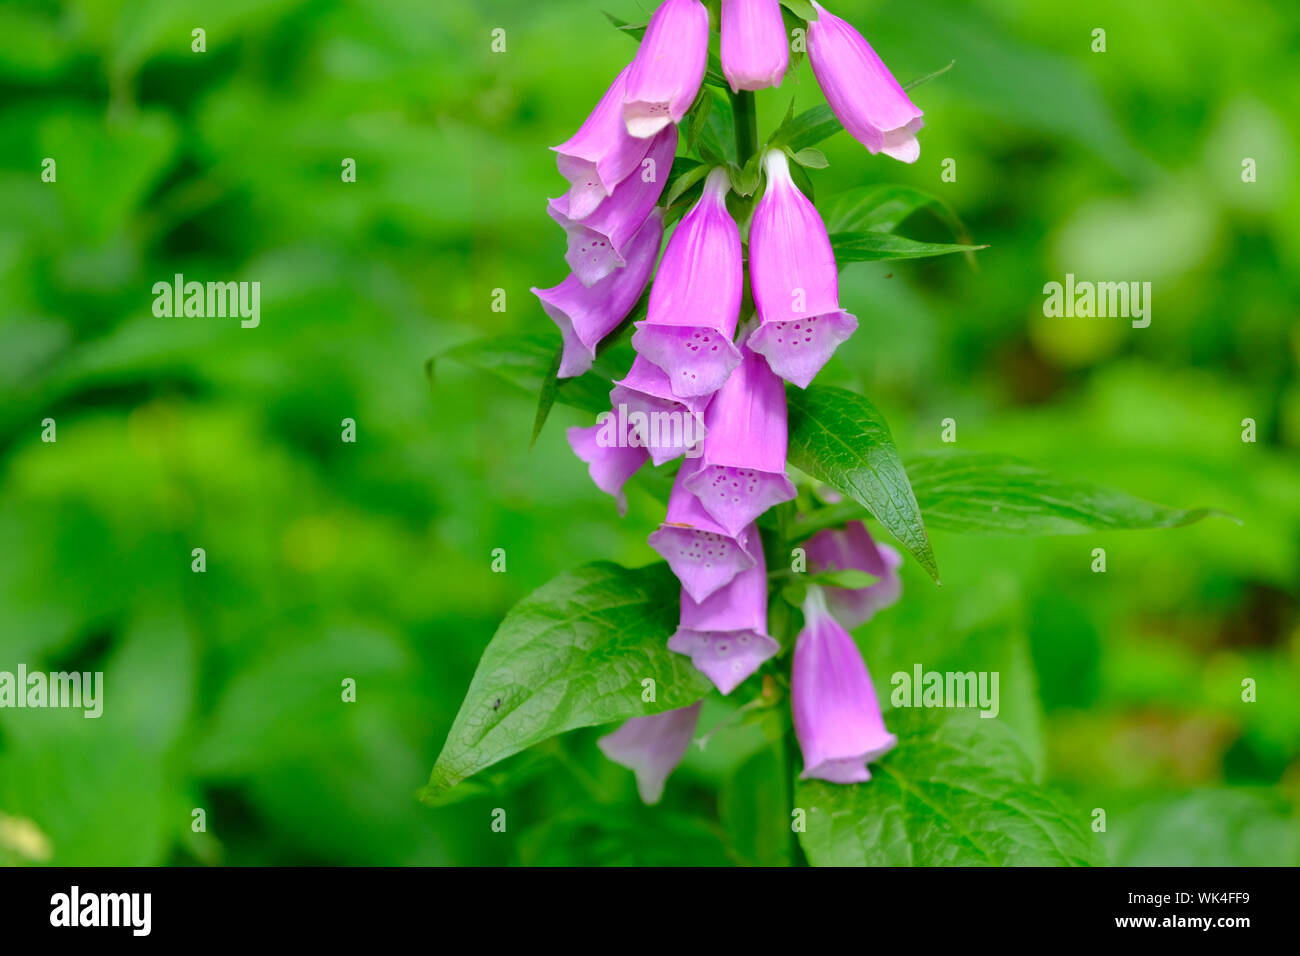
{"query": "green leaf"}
pixel 524 361
pixel 956 791
pixel 997 495
pixel 572 654
pixel 744 182
pixel 754 812
pixel 921 80
pixel 884 207
pixel 686 172
pixel 1206 828
pixel 712 75
pixel 844 578
pixel 801 8
pixel 698 118
pixel 876 246
pixel 811 158
pixel 546 397
pixel 840 438
pixel 808 128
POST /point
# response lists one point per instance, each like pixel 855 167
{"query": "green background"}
pixel 372 560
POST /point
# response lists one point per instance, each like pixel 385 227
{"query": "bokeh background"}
pixel 371 560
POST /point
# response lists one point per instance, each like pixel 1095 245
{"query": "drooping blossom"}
pixel 742 470
pixel 668 68
pixel 794 280
pixel 836 715
pixel 695 300
pixel 725 635
pixel 862 93
pixel 666 425
pixel 601 154
pixel 755 49
pixel 853 548
pixel 586 314
pixel 652 747
pixel 702 553
pixel 609 464
pixel 598 244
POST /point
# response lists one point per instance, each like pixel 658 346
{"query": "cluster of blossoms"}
pixel 723 380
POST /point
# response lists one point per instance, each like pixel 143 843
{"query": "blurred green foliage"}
pixel 371 560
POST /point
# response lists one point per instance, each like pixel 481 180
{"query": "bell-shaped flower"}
pixel 862 93
pixel 652 747
pixel 794 280
pixel 598 243
pixel 837 718
pixel 666 425
pixel 601 154
pixel 853 548
pixel 742 470
pixel 611 459
pixel 695 300
pixel 668 68
pixel 702 553
pixel 586 314
pixel 755 48
pixel 725 635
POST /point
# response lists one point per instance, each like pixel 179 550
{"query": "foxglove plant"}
pixel 761 478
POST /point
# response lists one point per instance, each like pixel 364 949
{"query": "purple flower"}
pixel 668 426
pixel 702 553
pixel 836 716
pixel 601 154
pixel 742 471
pixel 586 314
pixel 651 747
pixel 695 300
pixel 609 463
pixel 853 548
pixel 668 68
pixel 861 91
pixel 598 243
pixel 755 49
pixel 794 280
pixel 725 635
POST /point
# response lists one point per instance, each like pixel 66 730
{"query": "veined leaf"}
pixel 956 791
pixel 876 246
pixel 997 495
pixel 883 207
pixel 574 653
pixel 525 361
pixel 840 438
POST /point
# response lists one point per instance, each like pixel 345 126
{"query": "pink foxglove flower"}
pixel 861 91
pixel 702 553
pixel 836 716
pixel 695 300
pixel 666 425
pixel 795 283
pixel 601 154
pixel 586 314
pixel 609 463
pixel 725 635
pixel 668 68
pixel 853 548
pixel 755 48
pixel 742 471
pixel 598 244
pixel 652 747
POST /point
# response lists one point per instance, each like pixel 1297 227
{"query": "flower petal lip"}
pixel 598 242
pixel 666 73
pixel 742 470
pixel 794 280
pixel 609 465
pixel 853 548
pixel 703 555
pixel 754 47
pixel 586 314
pixel 861 91
pixel 652 747
pixel 726 635
pixel 672 422
pixel 695 299
pixel 601 154
pixel 837 717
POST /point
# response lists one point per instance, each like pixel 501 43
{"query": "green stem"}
pixel 742 105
